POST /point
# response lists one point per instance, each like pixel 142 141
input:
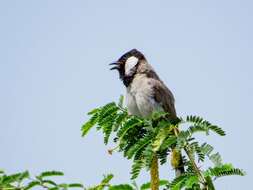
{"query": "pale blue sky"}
pixel 54 57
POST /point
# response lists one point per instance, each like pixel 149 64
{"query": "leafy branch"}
pixel 148 142
pixel 23 181
pixel 144 140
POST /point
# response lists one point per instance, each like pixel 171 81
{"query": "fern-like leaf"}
pixel 179 181
pixel 224 170
pixel 216 159
pixel 201 125
pixel 194 147
pixel 119 119
pixel 148 155
pixel 89 124
pixel 139 145
pixel 50 174
pixel 217 130
pixel 136 168
pixel 130 123
pixel 106 114
pixel 121 187
pixel 161 136
pixel 31 185
pixel 146 186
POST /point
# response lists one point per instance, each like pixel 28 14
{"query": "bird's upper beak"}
pixel 117 65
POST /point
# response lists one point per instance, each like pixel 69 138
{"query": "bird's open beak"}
pixel 117 65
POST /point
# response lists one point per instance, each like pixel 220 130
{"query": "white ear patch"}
pixel 130 63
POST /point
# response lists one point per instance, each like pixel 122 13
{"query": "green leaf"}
pixel 50 173
pixel 201 125
pixel 194 147
pixel 224 170
pixel 104 183
pixel 209 183
pixel 160 137
pixel 108 116
pixel 89 124
pixel 197 128
pixel 217 130
pixel 121 187
pixel 17 177
pixel 92 112
pixel 139 154
pixel 194 119
pixel 180 181
pixel 119 119
pixel 182 139
pixel 130 123
pixel 76 185
pixel 49 182
pixel 56 188
pixel 168 142
pixel 62 185
pixel 107 179
pixel 139 145
pixel 216 159
pixel 106 110
pixel 32 184
pixel 206 149
pixel 121 100
pixel 136 168
pixel 107 130
pixel 157 115
pixel 148 154
pixel 148 185
pixel 24 175
pixel 191 181
pixel 163 156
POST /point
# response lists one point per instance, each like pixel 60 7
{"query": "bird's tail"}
pixel 177 162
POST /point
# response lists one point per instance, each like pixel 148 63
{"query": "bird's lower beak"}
pixel 117 66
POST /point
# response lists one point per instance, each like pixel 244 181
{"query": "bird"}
pixel 146 93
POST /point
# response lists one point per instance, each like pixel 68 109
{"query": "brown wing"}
pixel 165 97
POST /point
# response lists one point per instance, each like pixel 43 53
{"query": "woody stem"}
pixel 154 173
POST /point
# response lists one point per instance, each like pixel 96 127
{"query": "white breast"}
pixel 131 104
pixel 139 97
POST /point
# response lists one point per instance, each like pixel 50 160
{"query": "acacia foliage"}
pixel 24 181
pixel 47 180
pixel 140 139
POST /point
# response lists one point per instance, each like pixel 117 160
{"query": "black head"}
pixel 127 65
